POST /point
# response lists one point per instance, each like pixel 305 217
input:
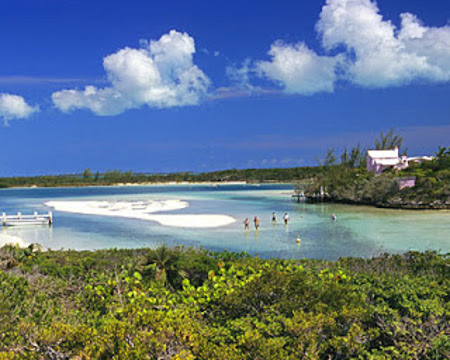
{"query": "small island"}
pixel 398 182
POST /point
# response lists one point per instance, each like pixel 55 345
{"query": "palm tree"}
pixel 165 262
pixel 388 141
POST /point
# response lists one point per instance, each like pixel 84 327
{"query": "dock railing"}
pixel 20 219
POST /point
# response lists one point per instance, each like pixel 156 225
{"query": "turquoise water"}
pixel 359 231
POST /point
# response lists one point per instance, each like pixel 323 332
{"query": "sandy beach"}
pixel 161 183
pixel 6 239
pixel 184 183
pixel 144 210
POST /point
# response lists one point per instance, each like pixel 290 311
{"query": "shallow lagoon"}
pixel 359 231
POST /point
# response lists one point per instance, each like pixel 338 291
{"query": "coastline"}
pixel 149 183
pixel 183 183
pixel 141 216
pixel 400 205
pixel 394 205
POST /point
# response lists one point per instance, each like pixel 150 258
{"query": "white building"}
pixel 379 160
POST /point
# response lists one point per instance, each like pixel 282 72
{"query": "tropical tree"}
pixel 330 158
pixel 87 173
pixel 388 141
pixel 164 261
pixel 345 157
pixel 357 157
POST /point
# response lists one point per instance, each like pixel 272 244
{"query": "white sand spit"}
pixel 144 210
pixel 117 208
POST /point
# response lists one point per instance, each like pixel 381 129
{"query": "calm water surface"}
pixel 359 231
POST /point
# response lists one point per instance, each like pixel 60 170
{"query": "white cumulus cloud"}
pixel 298 69
pixel 380 54
pixel 161 74
pixel 371 52
pixel 15 107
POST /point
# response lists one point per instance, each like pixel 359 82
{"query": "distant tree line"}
pixel 353 158
pixel 89 177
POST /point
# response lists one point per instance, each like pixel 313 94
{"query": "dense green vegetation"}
pixel 353 184
pixel 88 178
pixel 174 303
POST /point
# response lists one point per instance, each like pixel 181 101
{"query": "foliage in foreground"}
pixel 176 303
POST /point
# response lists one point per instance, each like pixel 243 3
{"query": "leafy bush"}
pixel 105 305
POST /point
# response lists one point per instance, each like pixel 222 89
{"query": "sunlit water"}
pixel 359 231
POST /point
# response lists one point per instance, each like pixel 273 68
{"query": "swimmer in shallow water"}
pixel 256 221
pixel 246 224
pixel 334 217
pixel 274 218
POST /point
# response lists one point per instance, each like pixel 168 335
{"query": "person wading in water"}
pixel 256 221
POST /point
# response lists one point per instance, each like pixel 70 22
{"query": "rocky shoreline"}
pixel 396 203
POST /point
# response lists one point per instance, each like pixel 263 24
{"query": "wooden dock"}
pixel 35 219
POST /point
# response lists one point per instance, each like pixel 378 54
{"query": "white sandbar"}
pixel 144 210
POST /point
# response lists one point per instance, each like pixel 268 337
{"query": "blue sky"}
pixel 203 85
